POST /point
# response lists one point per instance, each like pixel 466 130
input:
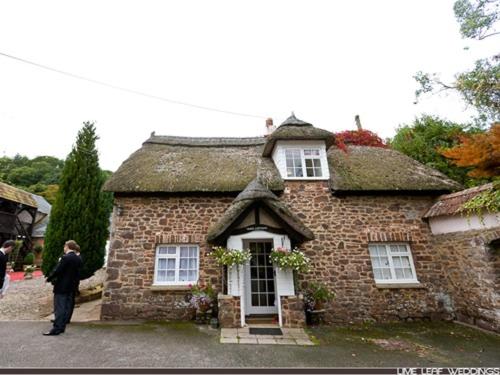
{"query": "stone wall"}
pixel 292 308
pixel 229 311
pixel 145 222
pixel 472 272
pixel 344 226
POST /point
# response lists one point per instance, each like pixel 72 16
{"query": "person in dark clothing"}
pixel 76 291
pixel 6 248
pixel 65 278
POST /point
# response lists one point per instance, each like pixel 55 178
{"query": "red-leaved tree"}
pixel 359 137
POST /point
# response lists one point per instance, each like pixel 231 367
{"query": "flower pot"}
pixel 28 275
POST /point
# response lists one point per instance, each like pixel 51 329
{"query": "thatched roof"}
pixel 181 164
pixel 294 129
pixel 451 204
pixel 254 193
pixel 365 168
pixel 14 194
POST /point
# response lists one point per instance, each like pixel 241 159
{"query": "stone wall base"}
pixel 229 311
pixel 292 311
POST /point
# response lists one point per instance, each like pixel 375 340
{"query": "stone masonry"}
pixel 473 275
pixel 144 223
pixel 343 227
pixel 292 308
pixel 229 311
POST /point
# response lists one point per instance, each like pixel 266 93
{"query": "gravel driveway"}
pixel 32 299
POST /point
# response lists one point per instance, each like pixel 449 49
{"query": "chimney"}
pixel 358 122
pixel 269 125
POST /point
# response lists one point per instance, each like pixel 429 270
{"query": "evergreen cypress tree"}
pixel 81 209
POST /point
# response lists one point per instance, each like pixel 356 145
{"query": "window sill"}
pixel 159 288
pixel 306 178
pixel 408 285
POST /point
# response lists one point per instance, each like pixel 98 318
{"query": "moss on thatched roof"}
pixel 295 129
pixel 256 192
pixel 181 164
pixel 365 168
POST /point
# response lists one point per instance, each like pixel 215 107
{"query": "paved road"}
pixel 187 345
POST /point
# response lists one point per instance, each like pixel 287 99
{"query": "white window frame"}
pixel 393 279
pixel 177 257
pixel 303 158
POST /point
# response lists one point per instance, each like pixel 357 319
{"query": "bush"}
pixel 38 249
pixel 29 258
pixel 316 295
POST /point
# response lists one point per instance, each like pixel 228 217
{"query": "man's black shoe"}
pixel 52 321
pixel 52 332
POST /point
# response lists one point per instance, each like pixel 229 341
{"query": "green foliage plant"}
pixel 316 294
pixel 29 259
pixel 487 201
pixel 81 209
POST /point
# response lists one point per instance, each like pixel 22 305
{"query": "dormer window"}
pixel 303 162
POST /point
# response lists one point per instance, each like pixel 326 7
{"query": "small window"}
pixel 303 163
pixel 176 265
pixel 392 263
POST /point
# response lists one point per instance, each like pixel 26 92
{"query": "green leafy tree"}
pixel 81 210
pixel 479 86
pixel 426 136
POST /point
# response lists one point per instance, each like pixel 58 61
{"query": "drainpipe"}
pixel 241 280
pixel 278 298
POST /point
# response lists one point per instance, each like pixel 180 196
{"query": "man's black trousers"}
pixel 62 308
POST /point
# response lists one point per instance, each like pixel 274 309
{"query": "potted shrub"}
pixel 203 299
pixel 28 271
pixel 29 259
pixel 315 297
pixel 38 249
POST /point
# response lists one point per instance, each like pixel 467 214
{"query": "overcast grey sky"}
pixel 325 60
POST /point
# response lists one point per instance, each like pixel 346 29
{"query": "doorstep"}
pixel 291 336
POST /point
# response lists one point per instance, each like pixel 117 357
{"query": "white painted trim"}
pixel 175 256
pixel 459 223
pixel 395 281
pixel 279 158
pixel 236 242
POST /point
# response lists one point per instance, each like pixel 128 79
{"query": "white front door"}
pixel 260 278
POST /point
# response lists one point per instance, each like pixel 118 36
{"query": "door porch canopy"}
pixel 256 208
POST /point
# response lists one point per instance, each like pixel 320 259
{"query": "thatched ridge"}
pixel 294 129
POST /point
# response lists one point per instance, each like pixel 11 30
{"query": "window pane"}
pixel 192 264
pixel 192 275
pixel 386 274
pixel 377 273
pixel 170 276
pixel 298 171
pixel 172 250
pixel 317 163
pixel 408 273
pixel 317 172
pixel 397 262
pixel 193 252
pixel 183 276
pixel 309 163
pixel 184 264
pixel 405 262
pixel 289 172
pixel 384 262
pixel 184 252
pixel 309 172
pixel 162 250
pixel 162 264
pixel 171 264
pixel 161 275
pixel 255 300
pixel 399 273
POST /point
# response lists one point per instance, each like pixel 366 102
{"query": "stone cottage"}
pixel 358 215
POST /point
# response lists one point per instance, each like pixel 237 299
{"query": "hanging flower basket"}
pixel 230 257
pixel 294 259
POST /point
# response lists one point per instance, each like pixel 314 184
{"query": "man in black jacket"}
pixel 7 247
pixel 65 278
